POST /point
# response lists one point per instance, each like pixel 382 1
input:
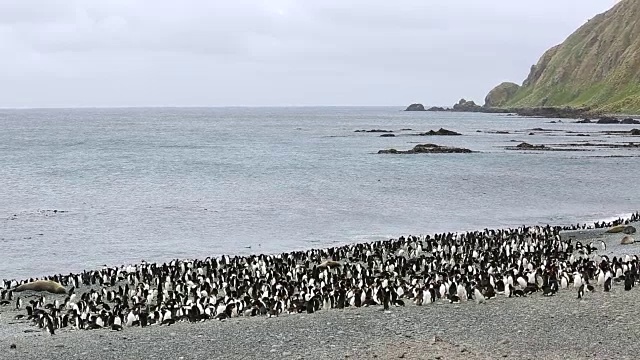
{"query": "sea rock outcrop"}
pixel 527 146
pixel 608 120
pixel 415 107
pixel 428 149
pixel 467 106
pixel 440 132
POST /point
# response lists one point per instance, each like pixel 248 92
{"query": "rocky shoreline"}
pixel 584 115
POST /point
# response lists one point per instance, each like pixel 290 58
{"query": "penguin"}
pixel 581 291
pixel 117 324
pixel 628 282
pixel 508 290
pixel 49 324
pixel 131 318
pixel 454 299
pixel 479 297
pixel 607 285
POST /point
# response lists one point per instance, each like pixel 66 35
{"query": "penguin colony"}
pixel 449 267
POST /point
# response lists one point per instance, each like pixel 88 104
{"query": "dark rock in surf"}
pixel 635 132
pixel 387 135
pixel 629 121
pixel 440 132
pixel 436 108
pixel 608 120
pixel 527 146
pixel 428 149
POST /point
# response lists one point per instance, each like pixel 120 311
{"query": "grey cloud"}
pixel 272 52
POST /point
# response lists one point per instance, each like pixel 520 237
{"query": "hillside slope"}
pixel 597 66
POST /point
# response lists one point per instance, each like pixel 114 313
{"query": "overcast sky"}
pixel 68 53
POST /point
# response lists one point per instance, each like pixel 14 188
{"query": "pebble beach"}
pixel 601 326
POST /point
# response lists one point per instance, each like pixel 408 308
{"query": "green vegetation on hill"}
pixel 598 66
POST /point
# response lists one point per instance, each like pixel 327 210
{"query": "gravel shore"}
pixel 601 325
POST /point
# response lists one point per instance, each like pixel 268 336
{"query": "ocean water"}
pixel 156 184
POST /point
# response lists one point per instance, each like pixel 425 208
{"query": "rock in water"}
pixel 415 107
pixel 467 106
pixel 626 240
pixel 428 149
pixel 525 145
pixel 441 131
pixel 608 120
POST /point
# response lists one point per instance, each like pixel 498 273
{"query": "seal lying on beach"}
pixel 626 240
pixel 42 285
pixel 329 264
pixel 616 229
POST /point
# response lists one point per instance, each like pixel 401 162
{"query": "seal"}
pixel 42 285
pixel 616 229
pixel 626 240
pixel 329 264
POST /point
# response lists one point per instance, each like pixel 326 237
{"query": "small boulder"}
pixel 627 240
pixel 415 107
pixel 387 135
pixel 629 121
pixel 629 230
pixel 635 132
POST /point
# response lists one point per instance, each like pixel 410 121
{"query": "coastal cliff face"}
pixel 598 66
